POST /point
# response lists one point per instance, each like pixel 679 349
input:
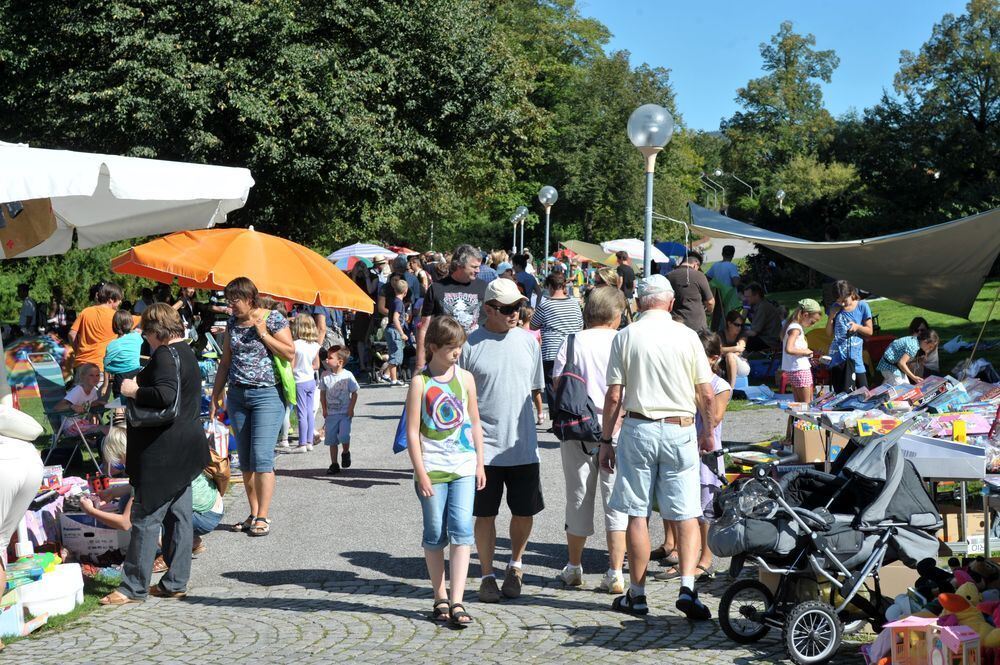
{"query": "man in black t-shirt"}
pixel 693 299
pixel 626 273
pixel 459 295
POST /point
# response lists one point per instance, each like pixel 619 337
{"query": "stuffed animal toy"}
pixel 933 580
pixel 964 605
pixel 987 572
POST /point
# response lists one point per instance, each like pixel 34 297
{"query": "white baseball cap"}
pixel 503 291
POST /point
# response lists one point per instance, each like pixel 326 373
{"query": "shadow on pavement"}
pixel 360 478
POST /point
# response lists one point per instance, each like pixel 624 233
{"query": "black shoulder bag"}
pixel 143 416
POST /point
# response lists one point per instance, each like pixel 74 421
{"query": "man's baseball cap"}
pixel 503 291
pixel 504 267
pixel 654 285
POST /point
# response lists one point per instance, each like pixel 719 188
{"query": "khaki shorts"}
pixel 582 478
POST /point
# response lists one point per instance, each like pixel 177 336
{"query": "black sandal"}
pixel 441 611
pixel 629 605
pixel 457 616
pixel 244 526
pixel 257 530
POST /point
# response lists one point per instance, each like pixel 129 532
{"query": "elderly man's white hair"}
pixel 655 300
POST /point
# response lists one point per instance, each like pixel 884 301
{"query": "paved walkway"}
pixel 342 577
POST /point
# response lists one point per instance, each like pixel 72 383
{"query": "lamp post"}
pixel 547 196
pixel 713 188
pixel 649 129
pixel 719 186
pixel 521 212
pixel 719 173
pixel 780 195
pixel 514 219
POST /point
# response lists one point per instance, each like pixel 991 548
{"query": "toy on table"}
pixel 964 605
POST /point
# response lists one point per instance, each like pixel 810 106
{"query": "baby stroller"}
pixel 826 535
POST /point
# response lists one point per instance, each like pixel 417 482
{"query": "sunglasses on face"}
pixel 507 310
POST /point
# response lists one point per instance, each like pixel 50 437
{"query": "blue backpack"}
pixel 574 417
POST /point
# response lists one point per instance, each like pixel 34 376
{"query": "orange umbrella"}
pixel 211 258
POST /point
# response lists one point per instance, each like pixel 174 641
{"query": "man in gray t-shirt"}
pixel 506 363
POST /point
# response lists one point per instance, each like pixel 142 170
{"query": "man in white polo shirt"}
pixel 659 375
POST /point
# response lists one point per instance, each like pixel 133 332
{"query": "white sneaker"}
pixel 299 449
pixel 283 444
pixel 309 448
pixel 571 576
pixel 612 583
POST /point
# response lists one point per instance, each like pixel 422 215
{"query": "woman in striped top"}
pixel 556 317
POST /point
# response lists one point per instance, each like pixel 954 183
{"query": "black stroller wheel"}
pixel 742 609
pixel 812 633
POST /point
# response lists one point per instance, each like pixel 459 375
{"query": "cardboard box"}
pixel 837 443
pixel 85 536
pixel 808 445
pixel 974 525
pixel 894 579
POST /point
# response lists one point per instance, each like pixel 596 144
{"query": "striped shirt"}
pixel 556 318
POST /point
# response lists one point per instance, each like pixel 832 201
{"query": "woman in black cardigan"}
pixel 162 461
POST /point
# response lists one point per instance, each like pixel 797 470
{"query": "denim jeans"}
pixel 448 514
pixel 657 460
pixel 205 522
pixel 178 533
pixel 256 415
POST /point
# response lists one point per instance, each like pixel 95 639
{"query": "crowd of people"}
pixel 483 341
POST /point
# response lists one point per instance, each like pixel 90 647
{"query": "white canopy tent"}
pixel 103 198
pixel 941 268
pixel 634 248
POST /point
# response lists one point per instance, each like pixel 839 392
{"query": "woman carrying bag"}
pixel 166 449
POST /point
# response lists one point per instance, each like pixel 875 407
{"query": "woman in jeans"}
pixel 592 349
pixel 162 461
pixel 255 403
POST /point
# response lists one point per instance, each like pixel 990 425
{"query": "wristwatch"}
pixel 606 441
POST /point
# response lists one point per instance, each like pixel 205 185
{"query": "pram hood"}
pixel 887 488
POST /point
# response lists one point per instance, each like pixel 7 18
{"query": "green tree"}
pixel 782 112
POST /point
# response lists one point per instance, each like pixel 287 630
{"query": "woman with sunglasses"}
pixel 733 347
pixel 162 461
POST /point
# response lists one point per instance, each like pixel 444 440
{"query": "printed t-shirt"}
pixel 122 354
pixel 305 354
pixel 658 362
pixel 849 346
pixel 691 292
pixel 251 363
pixel 507 368
pixel 463 301
pixel 591 351
pixel 446 441
pixel 790 363
pixel 556 318
pixel 338 387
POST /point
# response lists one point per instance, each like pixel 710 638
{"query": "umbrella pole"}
pixel 989 315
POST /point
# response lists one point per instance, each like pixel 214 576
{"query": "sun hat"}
pixel 503 291
pixel 378 258
pixel 654 285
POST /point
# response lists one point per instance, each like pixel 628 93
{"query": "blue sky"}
pixel 712 48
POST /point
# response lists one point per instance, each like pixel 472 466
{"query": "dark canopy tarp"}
pixel 941 268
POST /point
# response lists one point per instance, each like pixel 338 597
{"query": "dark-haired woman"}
pixel 255 403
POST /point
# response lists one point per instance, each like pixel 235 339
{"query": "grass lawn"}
pixel 894 318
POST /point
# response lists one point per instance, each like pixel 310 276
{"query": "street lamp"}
pixel 719 186
pixel 649 129
pixel 714 188
pixel 522 214
pixel 781 199
pixel 719 173
pixel 514 219
pixel 547 196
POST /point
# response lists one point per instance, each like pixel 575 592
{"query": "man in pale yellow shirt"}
pixel 659 375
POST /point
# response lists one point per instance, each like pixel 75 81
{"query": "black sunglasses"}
pixel 506 310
